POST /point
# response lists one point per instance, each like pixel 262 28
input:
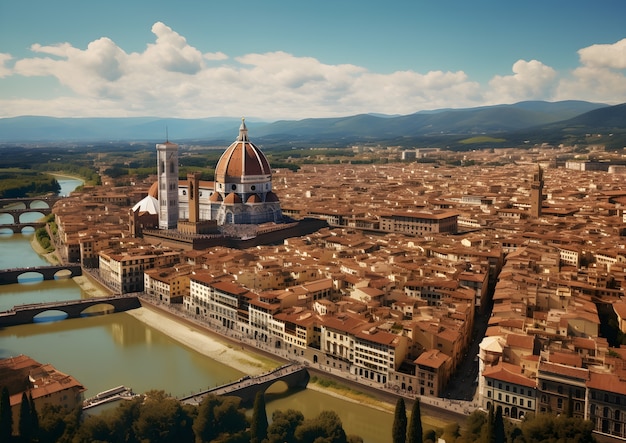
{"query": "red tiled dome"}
pixel 242 158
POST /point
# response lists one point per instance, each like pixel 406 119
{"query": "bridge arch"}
pixel 50 315
pixel 97 309
pixel 53 272
pixel 278 387
pixel 30 277
pixel 18 217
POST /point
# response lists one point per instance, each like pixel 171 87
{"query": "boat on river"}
pixel 110 395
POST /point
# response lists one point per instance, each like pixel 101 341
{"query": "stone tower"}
pixel 167 171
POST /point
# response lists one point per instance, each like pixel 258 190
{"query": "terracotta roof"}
pixel 607 382
pixel 254 198
pixel 566 371
pixel 232 198
pixel 508 373
pixel 520 341
pixel 432 358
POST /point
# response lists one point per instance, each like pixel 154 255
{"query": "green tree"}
pixel 498 426
pixel 205 425
pixel 398 432
pixel 24 424
pixel 283 426
pixel 6 416
pixel 230 416
pixel 415 434
pixel 34 418
pixel 259 424
pixel 325 428
pixel 473 427
pixel 220 418
pixel 162 419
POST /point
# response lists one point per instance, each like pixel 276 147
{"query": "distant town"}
pixel 494 278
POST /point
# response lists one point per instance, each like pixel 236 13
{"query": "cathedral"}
pixel 241 193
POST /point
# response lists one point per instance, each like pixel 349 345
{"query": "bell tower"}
pixel 167 171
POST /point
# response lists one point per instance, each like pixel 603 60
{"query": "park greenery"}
pixel 23 183
pixel 157 418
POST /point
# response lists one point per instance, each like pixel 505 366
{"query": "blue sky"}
pixel 296 59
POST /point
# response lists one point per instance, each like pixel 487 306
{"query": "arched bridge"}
pixel 247 387
pixel 28 201
pixel 24 314
pixel 10 276
pixel 7 206
pixel 18 227
pixel 16 213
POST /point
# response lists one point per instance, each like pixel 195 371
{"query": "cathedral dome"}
pixel 242 162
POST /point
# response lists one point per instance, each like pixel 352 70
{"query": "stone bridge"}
pixel 28 202
pixel 10 276
pixel 246 388
pixel 24 314
pixel 16 213
pixel 17 228
pixel 6 207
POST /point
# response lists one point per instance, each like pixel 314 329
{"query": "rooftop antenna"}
pixel 167 137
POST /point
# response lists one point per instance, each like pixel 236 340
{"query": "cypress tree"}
pixel 399 422
pixel 34 418
pixel 25 422
pixel 415 425
pixel 6 417
pixel 259 423
pixel 498 427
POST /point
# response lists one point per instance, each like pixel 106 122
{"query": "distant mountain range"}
pixel 530 122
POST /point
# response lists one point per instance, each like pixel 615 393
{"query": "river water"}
pixel 111 350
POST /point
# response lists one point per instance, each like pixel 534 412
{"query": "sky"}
pixel 296 59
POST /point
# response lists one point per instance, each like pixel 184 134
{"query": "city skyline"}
pixel 291 61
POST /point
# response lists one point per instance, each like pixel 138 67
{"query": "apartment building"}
pixel 420 223
pixel 508 387
pixel 122 269
pixel 168 285
pixel 377 354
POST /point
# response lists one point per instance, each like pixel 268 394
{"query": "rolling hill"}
pixel 514 123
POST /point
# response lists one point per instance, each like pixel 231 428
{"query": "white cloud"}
pixel 531 80
pixel 171 78
pixel 605 56
pixel 601 78
pixel 4 59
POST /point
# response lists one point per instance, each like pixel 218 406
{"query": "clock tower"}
pixel 167 171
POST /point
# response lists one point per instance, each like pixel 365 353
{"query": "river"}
pixel 111 350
